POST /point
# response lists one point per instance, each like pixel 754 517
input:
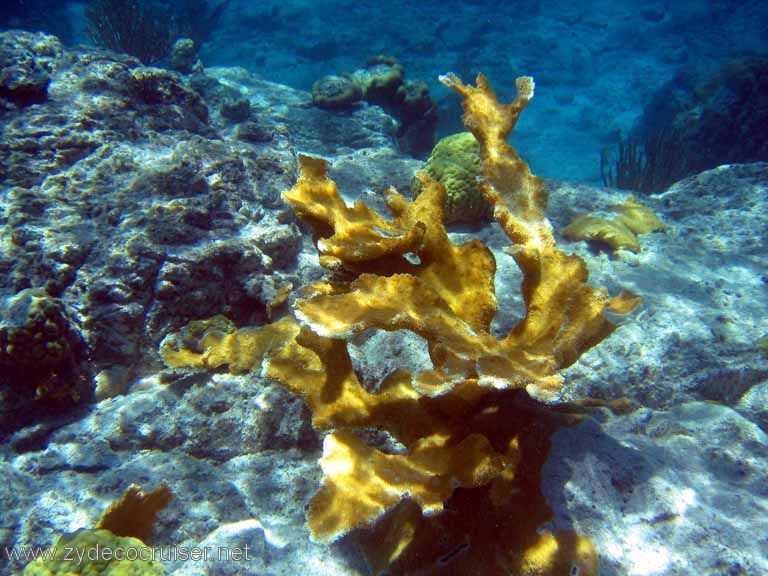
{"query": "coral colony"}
pixel 467 456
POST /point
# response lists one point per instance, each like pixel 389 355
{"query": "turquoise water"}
pixel 597 64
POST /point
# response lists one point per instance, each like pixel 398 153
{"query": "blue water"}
pixel 597 64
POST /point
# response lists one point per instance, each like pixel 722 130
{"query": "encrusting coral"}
pixel 620 232
pixel 463 497
pixel 78 554
pixel 116 546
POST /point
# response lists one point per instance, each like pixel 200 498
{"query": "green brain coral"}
pixel 456 163
pixel 87 553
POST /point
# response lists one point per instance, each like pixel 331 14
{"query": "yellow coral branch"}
pixel 458 421
pixel 564 315
pixel 361 483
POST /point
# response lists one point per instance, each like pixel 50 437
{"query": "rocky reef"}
pixel 136 201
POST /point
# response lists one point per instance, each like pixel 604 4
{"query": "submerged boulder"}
pixel 43 368
pixel 26 63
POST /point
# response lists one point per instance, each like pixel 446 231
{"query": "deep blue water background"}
pixel 596 64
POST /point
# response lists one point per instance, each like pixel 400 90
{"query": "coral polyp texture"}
pixel 464 493
pixel 455 162
pixel 116 547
